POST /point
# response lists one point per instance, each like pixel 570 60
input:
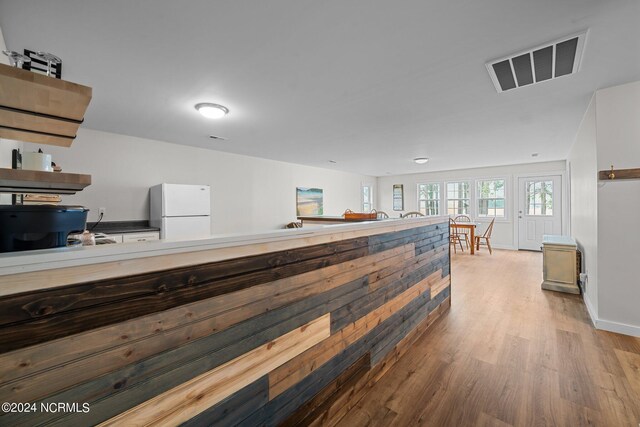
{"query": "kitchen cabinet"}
pixel 135 237
pixel 140 237
pixel 41 109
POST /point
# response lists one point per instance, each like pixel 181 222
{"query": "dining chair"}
pixel 294 224
pixel 382 215
pixel 454 236
pixel 486 236
pixel 413 214
pixel 464 231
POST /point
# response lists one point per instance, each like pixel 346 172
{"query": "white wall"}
pixel 618 136
pixel 3 58
pixel 503 234
pixel 584 206
pixel 249 194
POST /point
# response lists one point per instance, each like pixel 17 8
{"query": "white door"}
pixel 539 210
pixel 186 200
pixel 185 227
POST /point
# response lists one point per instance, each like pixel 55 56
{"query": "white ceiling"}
pixel 369 84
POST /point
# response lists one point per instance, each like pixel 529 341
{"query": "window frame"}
pixel 526 203
pixel 470 212
pixel 477 199
pixel 439 200
pixel 362 200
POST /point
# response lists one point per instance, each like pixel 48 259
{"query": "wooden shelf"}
pixel 26 181
pixel 619 174
pixel 41 109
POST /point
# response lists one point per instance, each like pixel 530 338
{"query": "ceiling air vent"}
pixel 546 62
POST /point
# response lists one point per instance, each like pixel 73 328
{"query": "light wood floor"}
pixel 508 353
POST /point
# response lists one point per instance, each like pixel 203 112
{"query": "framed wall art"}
pixel 398 197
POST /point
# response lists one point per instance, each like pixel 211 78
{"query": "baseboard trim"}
pixel 505 247
pixel 590 310
pixel 608 325
pixel 620 328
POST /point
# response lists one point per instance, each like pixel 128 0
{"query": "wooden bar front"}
pixel 281 337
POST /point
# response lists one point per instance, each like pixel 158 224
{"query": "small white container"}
pixel 37 162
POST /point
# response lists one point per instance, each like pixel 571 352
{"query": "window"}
pixel 491 199
pixel 458 198
pixel 429 199
pixel 539 198
pixel 367 198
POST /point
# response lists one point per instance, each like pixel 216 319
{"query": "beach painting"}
pixel 308 201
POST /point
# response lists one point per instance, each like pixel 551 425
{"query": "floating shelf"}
pixel 619 174
pixel 26 181
pixel 41 109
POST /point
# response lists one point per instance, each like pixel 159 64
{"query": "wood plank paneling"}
pixel 200 344
pixel 35 317
pixel 296 369
pixel 195 396
pixel 135 383
pixel 246 302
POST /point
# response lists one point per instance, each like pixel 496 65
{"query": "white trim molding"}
pixel 620 328
pixel 608 325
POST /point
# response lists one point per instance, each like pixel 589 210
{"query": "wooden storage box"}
pixel 349 214
pixel 559 259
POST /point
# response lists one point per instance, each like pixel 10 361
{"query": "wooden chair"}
pixel 382 215
pixel 294 224
pixel 486 236
pixel 454 236
pixel 464 231
pixel 414 214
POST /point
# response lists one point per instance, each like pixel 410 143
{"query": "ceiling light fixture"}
pixel 212 111
pixel 421 160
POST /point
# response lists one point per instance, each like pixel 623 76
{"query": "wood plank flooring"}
pixel 508 354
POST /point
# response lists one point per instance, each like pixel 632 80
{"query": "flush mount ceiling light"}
pixel 212 111
pixel 421 160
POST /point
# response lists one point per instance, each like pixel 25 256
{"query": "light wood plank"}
pixel 630 363
pixel 195 396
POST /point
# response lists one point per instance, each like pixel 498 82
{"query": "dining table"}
pixel 471 226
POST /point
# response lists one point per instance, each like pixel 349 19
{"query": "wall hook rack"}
pixel 612 174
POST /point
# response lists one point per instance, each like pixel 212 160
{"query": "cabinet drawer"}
pixel 116 237
pixel 140 237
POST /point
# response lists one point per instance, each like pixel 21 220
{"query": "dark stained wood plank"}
pixel 382 242
pixel 619 174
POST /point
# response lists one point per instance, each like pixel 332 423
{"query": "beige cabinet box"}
pixel 559 264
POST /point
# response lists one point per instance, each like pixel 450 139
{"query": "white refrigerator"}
pixel 182 212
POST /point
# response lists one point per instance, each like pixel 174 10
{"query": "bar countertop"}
pixel 40 269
